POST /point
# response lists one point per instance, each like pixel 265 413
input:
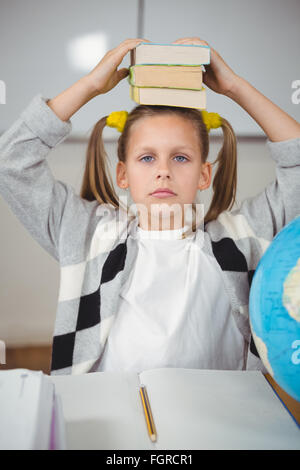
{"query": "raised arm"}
pixel 276 123
pixel 100 80
pixel 262 215
pixel 45 206
pixel 219 77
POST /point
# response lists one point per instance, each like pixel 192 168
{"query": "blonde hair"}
pixel 97 182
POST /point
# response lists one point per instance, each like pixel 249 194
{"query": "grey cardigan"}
pixel 95 258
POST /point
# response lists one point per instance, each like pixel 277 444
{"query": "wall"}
pixel 259 40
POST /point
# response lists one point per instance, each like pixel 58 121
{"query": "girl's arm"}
pixel 100 80
pixel 48 208
pixel 72 99
pixel 269 211
pixel 277 124
pixel 220 78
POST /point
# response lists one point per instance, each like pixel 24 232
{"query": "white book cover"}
pixel 170 54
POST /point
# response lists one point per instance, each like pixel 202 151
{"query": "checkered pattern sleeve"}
pixel 279 203
pixel 41 203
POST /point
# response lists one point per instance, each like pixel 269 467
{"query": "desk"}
pixel 238 410
pixel 292 405
pixel 38 358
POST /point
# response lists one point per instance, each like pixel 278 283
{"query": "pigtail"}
pixel 225 180
pixel 97 182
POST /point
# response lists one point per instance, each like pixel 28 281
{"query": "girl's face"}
pixel 163 152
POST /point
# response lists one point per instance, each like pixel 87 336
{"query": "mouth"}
pixel 163 194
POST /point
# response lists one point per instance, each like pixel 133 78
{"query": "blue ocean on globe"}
pixel 274 307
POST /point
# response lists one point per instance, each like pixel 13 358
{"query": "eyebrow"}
pixel 174 149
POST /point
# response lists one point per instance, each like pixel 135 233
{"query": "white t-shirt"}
pixel 173 310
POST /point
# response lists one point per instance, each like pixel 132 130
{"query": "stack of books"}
pixel 168 74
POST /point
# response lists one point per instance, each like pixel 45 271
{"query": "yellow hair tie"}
pixel 117 119
pixel 211 120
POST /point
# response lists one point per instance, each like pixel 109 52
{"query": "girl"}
pixel 144 296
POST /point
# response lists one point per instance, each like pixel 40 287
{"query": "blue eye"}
pixel 181 157
pixel 148 156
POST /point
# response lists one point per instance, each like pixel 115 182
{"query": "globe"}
pixel 274 308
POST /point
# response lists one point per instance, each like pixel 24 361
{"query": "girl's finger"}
pixel 131 43
pixel 183 39
pixel 192 40
pixel 134 39
pixel 115 56
pixel 126 46
pixel 122 50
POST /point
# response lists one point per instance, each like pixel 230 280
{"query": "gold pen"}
pixel 148 414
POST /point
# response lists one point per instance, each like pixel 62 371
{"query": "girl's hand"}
pixel 105 75
pixel 218 76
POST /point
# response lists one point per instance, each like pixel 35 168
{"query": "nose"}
pixel 163 171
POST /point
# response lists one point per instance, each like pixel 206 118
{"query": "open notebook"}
pixel 191 408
